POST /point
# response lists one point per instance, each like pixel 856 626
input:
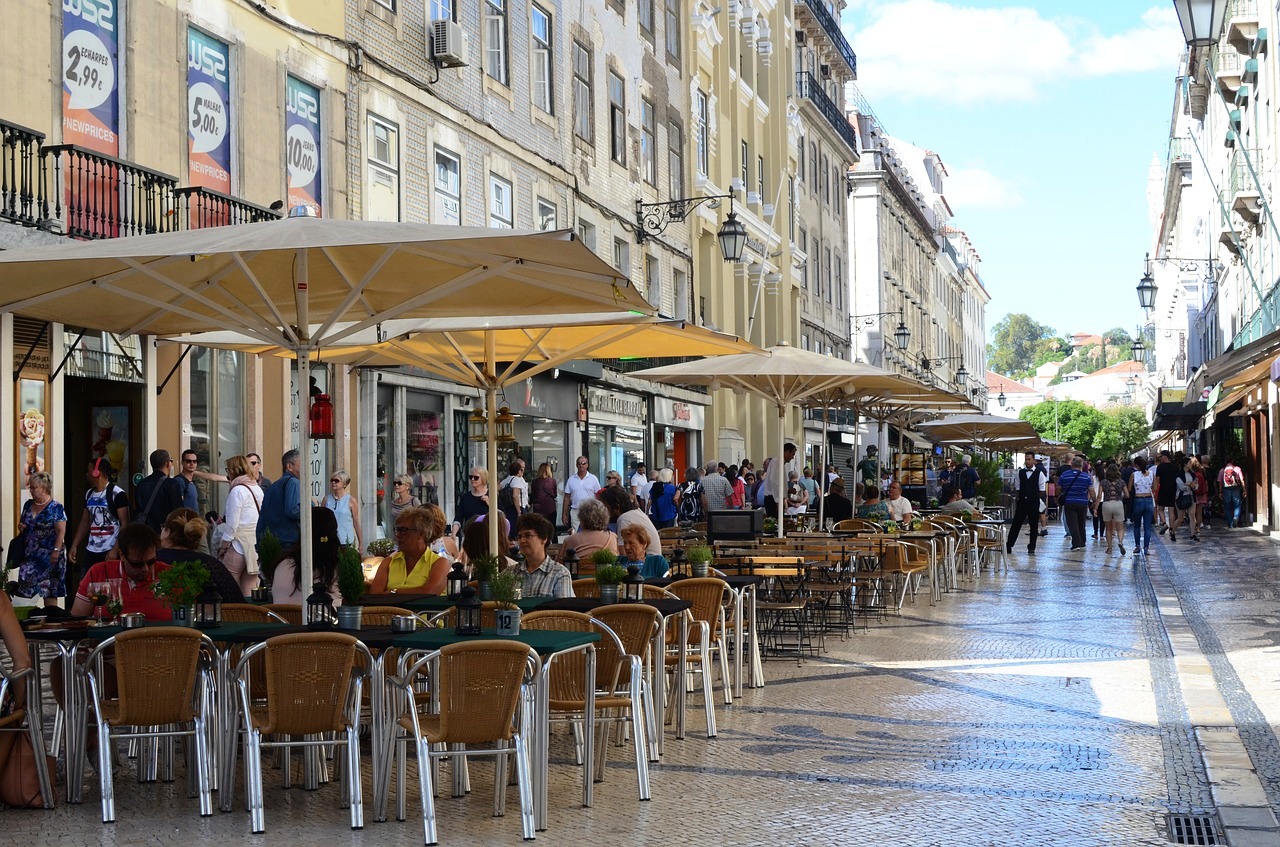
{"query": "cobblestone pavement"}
pixel 1035 707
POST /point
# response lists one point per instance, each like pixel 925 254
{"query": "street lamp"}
pixel 653 218
pixel 901 335
pixel 1147 287
pixel 1201 20
pixel 1138 350
pixel 1000 398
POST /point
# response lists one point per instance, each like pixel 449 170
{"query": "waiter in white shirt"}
pixel 578 489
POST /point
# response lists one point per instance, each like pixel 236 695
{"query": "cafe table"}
pixel 925 536
pixel 745 650
pixel 666 606
pixel 435 602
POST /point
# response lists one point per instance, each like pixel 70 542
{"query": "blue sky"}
pixel 1046 114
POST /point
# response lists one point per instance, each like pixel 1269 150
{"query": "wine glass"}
pixel 99 596
pixel 115 598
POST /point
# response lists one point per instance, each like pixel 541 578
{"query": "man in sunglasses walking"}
pixel 578 489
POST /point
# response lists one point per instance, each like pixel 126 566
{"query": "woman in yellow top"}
pixel 414 568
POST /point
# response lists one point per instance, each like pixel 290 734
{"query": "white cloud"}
pixel 976 188
pixel 929 49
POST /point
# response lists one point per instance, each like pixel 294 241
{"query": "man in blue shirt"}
pixel 967 478
pixel 281 505
pixel 1075 484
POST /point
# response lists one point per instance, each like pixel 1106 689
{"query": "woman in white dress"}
pixel 244 502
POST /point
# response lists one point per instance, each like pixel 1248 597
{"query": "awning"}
pixel 1223 367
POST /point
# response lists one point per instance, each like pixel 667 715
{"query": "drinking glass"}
pixel 115 599
pixel 98 596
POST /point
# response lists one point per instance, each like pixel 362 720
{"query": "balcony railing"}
pixel 1179 150
pixel 631 365
pixel 829 25
pixel 107 197
pixel 808 86
pixel 99 364
pixel 196 207
pixel 21 183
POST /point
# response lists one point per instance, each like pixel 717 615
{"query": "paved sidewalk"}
pixel 1041 706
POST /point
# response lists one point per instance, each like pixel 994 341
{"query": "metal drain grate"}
pixel 1193 829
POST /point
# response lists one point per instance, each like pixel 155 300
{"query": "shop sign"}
pixel 616 407
pixel 668 412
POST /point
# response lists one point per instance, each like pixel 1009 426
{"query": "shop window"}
pixel 217 381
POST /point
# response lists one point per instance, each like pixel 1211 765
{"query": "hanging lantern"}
pixel 457 581
pixel 209 607
pixel 504 425
pixel 478 426
pixel 468 610
pixel 320 611
pixel 321 417
pixel 632 585
pixel 571 561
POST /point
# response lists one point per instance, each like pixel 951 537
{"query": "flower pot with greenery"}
pixel 608 578
pixel 485 568
pixel 600 558
pixel 270 552
pixel 381 547
pixel 505 587
pixel 179 585
pixel 350 586
pixel 700 557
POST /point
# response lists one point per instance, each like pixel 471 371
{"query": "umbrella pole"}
pixel 304 430
pixel 491 400
pixel 822 471
pixel 780 465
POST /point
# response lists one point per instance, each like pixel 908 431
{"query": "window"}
pixel 548 215
pixel 501 207
pixel 387 4
pixel 673 31
pixel 644 12
pixel 448 188
pixel 675 161
pixel 587 232
pixel 839 283
pixel 816 255
pixel 800 160
pixel 653 281
pixel 383 196
pixel 826 186
pixel 622 256
pixel 760 179
pixel 791 208
pixel 826 270
pixel 680 283
pixel 540 62
pixel 804 341
pixel 804 271
pixel 617 119
pixel 648 143
pixel 495 40
pixel 813 164
pixel 582 92
pixel 701 138
pixel 443 10
pixel 744 171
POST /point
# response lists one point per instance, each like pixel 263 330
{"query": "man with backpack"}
pixel 1231 478
pixel 106 509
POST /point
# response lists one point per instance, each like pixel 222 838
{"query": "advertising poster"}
pixel 110 428
pixel 90 75
pixel 31 433
pixel 208 112
pixel 302 144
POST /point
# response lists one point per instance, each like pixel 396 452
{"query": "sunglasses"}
pixel 400 483
pixel 255 464
pixel 148 563
pixel 195 461
pixel 473 477
pixel 334 481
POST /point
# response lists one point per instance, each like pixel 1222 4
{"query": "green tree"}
pixel 1013 344
pixel 1067 420
pixel 1050 350
pixel 1124 429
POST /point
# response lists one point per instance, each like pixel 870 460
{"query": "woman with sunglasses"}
pixel 475 501
pixel 244 506
pixel 415 568
pixel 343 504
pixel 401 496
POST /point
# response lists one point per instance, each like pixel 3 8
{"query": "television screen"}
pixel 734 524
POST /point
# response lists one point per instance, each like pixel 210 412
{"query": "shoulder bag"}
pixel 1062 497
pixel 19 774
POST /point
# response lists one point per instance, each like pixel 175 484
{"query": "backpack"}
pixel 507 498
pixel 691 502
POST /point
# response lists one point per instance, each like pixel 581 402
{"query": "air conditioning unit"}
pixel 445 44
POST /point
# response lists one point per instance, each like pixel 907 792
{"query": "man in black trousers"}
pixel 1032 485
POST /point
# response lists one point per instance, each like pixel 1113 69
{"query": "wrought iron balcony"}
pixel 196 207
pixel 809 87
pixel 107 197
pixel 831 27
pixel 21 174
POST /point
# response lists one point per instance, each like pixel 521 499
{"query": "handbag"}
pixel 16 551
pixel 1062 497
pixel 19 779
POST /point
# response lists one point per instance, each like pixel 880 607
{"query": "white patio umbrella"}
pixel 983 430
pixel 505 351
pixel 271 281
pixel 787 376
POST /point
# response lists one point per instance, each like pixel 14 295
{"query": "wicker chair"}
pixel 634 625
pixel 313 684
pixel 706 634
pixel 586 587
pixel 28 721
pixel 480 699
pixel 287 612
pixel 858 525
pixel 164 679
pixel 250 613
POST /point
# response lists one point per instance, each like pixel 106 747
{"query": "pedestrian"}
pixel 1111 507
pixel 869 468
pixel 690 498
pixel 1029 501
pixel 772 488
pixel 1166 492
pixel 639 484
pixel 946 476
pixel 662 500
pixel 1095 500
pixel 157 495
pixel 1126 471
pixel 474 502
pixel 737 489
pixel 836 506
pixel 716 489
pixel 1075 483
pixel 186 479
pixel 513 492
pixel 1211 484
pixel 810 484
pixel 968 478
pixel 245 502
pixel 1198 489
pixel 282 503
pixel 578 488
pixel 255 462
pixel 344 507
pixel 542 493
pixel 106 510
pixel 43 528
pixel 624 512
pixel 401 496
pixel 1141 487
pixel 1231 478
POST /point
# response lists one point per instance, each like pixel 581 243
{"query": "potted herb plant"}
pixel 180 585
pixel 700 557
pixel 350 586
pixel 382 547
pixel 601 558
pixel 270 552
pixel 505 588
pixel 608 578
pixel 485 568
